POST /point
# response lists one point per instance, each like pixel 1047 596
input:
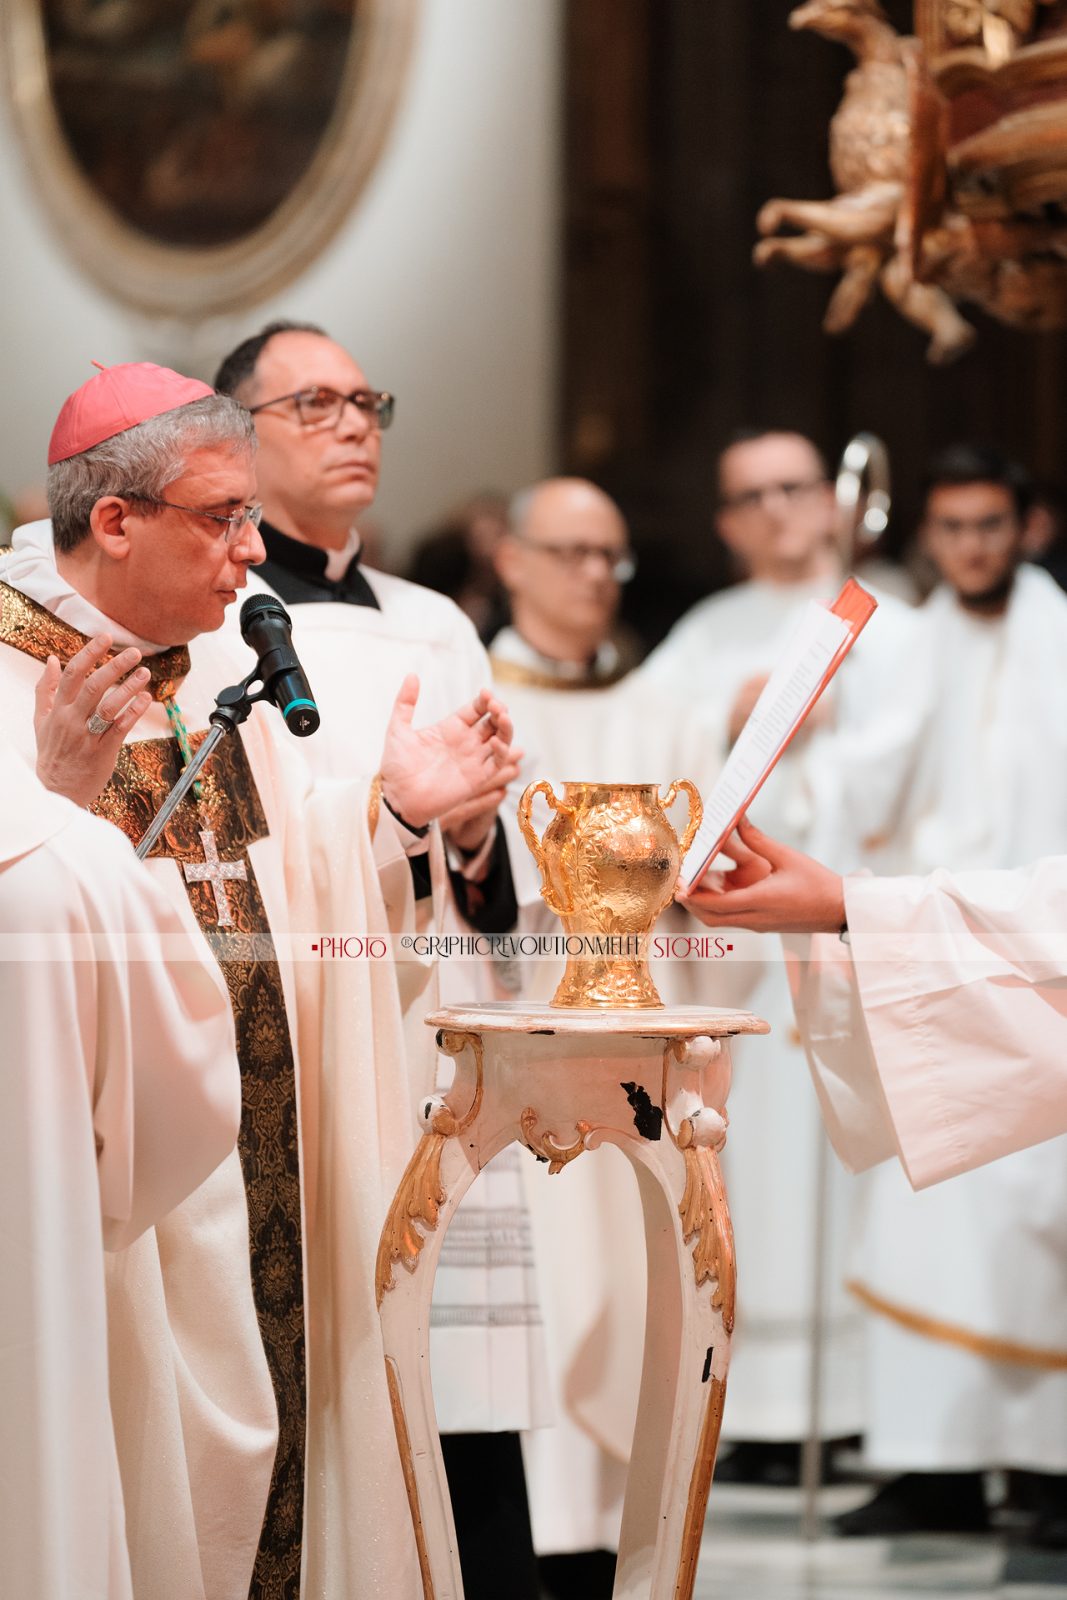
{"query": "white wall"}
pixel 443 282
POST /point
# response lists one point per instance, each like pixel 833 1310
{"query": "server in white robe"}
pixel 361 631
pixel 776 515
pixel 210 1312
pixel 120 1094
pixel 968 1361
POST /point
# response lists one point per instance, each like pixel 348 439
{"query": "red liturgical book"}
pixel 817 646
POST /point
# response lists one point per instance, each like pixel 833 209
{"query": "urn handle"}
pixel 562 908
pixel 696 811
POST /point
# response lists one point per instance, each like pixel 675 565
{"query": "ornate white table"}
pixel 562 1082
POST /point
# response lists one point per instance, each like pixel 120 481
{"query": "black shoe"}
pixel 1044 1496
pixel 775 1464
pixel 778 1464
pixel 585 1575
pixel 920 1502
pixel 1049 1532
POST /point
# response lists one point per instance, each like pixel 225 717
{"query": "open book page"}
pixel 816 647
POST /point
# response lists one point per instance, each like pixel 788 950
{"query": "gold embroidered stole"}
pixel 230 807
pixel 36 632
pixel 506 672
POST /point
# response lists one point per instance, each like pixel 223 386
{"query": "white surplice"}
pixel 194 1411
pixel 487 1351
pixel 981 1262
pixel 119 1095
pixel 773 1156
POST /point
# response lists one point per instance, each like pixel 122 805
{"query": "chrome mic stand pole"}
pixel 232 708
pixel 812 1449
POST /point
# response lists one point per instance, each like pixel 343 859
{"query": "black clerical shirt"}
pixel 297 573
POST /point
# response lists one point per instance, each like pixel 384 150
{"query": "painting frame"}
pixel 193 282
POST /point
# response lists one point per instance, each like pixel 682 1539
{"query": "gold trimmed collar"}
pixel 505 671
pixel 28 627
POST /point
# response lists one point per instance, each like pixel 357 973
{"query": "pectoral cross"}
pixel 216 873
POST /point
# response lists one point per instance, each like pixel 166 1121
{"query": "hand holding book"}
pixel 816 648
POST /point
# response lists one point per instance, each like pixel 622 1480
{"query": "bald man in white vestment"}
pixel 120 1094
pixel 229 1455
pixel 776 515
pixel 968 1360
pixel 360 632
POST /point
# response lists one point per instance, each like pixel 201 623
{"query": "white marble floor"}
pixel 753 1551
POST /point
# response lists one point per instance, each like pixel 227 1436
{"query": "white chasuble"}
pixel 487 1351
pixel 119 1095
pixel 214 1490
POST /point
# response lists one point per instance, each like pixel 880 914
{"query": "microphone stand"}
pixel 232 707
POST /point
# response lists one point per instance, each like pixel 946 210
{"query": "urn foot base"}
pixel 618 983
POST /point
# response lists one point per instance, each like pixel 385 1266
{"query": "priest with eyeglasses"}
pixel 227 1318
pixel 321 428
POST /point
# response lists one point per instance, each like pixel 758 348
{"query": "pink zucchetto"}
pixel 115 399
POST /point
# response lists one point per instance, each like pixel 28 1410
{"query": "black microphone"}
pixel 266 628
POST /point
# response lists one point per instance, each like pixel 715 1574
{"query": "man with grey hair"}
pixel 152 485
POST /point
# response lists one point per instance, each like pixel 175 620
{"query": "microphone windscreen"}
pixel 261 605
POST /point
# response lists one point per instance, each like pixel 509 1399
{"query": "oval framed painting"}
pixel 196 155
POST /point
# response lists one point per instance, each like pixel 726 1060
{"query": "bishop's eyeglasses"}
pixel 232 523
pixel 320 407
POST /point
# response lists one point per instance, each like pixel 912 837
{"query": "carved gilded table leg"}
pixel 562 1083
pixel 437 1176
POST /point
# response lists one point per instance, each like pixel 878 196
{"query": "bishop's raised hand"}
pixel 465 758
pixel 82 714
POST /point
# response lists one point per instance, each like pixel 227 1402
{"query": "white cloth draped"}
pixel 120 1094
pixel 940 1034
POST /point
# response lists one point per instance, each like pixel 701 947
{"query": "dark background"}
pixel 681 118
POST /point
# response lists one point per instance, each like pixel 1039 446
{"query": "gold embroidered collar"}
pixel 36 632
pixel 514 672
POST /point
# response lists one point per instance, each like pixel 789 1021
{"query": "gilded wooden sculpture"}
pixel 949 155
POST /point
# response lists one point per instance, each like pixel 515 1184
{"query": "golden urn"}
pixel 609 862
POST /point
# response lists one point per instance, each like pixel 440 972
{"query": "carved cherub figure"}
pixel 998 25
pixel 870 146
